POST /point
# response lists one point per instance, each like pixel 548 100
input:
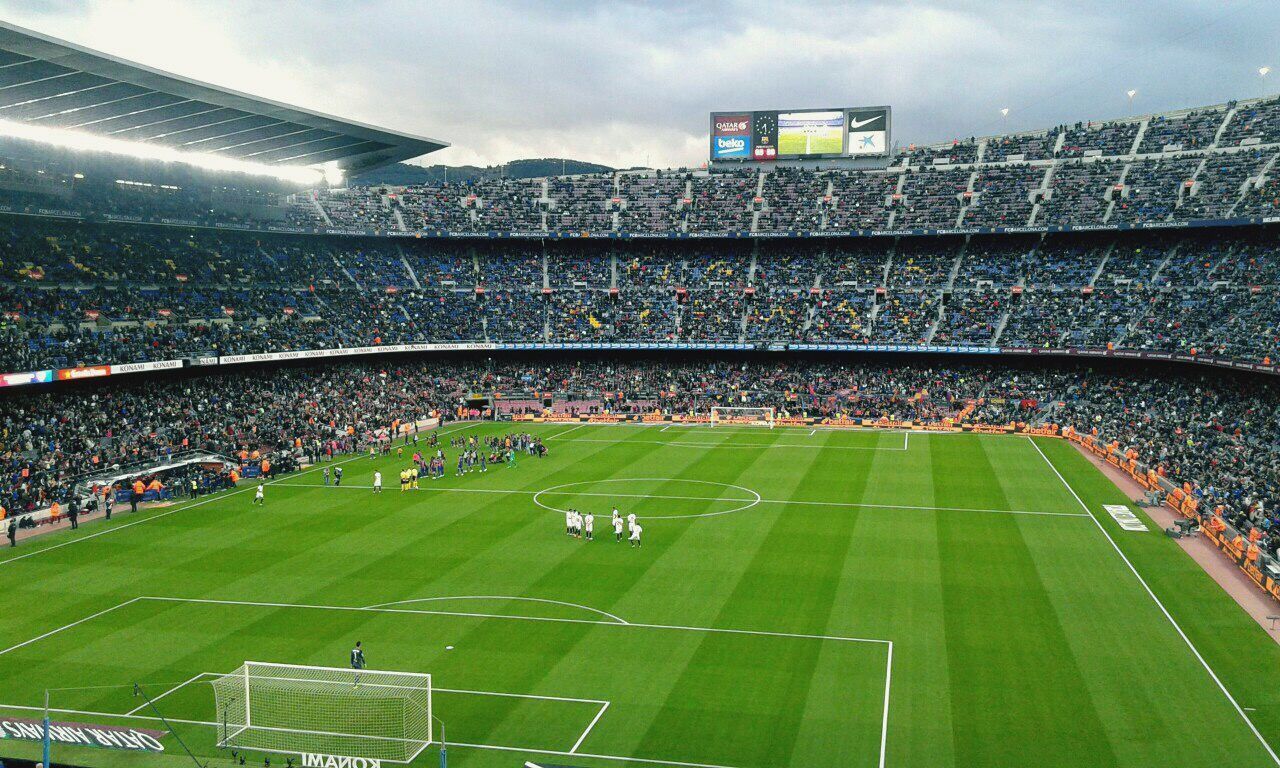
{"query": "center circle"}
pixel 559 490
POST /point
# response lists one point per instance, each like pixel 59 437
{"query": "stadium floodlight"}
pixel 1131 93
pixel 78 140
pixel 333 175
pixel 1004 112
pixel 1263 71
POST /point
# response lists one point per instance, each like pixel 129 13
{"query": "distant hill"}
pixel 402 174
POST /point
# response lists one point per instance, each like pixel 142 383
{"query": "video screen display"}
pixel 802 134
pixel 798 134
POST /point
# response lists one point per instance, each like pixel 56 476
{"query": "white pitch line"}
pixel 78 622
pixel 590 725
pixel 884 721
pixel 614 758
pixel 452 744
pixel 136 709
pixel 183 507
pixel 569 699
pixel 852 504
pixel 562 434
pixel 1239 710
pixel 514 617
pixel 728 444
pixel 586 608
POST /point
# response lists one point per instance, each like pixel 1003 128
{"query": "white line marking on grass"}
pixel 512 617
pixel 591 725
pixel 743 503
pixel 518 750
pixel 1239 710
pixel 587 608
pixel 852 504
pixel 728 444
pixel 664 429
pixel 538 697
pixel 194 678
pixel 862 505
pixel 183 507
pixel 615 758
pixel 452 744
pixel 68 626
pixel 562 434
pixel 884 721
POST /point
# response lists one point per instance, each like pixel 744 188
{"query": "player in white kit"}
pixel 377 482
pixel 589 523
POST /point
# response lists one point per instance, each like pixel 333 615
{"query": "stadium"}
pixel 829 450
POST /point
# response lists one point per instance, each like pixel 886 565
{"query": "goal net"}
pixel 759 417
pixel 324 711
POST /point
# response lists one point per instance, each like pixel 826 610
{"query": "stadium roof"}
pixel 53 83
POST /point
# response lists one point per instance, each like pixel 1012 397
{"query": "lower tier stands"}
pixel 1217 432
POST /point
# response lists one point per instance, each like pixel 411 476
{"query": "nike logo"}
pixel 859 123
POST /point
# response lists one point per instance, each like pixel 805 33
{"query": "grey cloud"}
pixel 626 82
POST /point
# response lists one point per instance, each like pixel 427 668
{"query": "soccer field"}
pixel 802 598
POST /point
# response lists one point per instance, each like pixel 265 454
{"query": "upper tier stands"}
pixel 73 293
pixel 1210 163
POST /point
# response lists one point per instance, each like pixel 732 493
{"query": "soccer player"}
pixel 617 526
pixel 357 660
pixel 636 530
pixel 377 482
pixel 589 525
pixel 631 521
pixel 568 522
pixel 257 496
pixel 12 532
pixel 337 476
pixel 326 475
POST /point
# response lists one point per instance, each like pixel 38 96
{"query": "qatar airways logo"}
pixel 733 125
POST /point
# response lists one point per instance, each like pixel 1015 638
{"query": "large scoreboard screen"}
pixel 800 134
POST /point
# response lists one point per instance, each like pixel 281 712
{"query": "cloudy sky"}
pixel 630 83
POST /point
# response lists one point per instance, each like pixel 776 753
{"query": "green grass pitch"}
pixel 801 599
pixel 828 141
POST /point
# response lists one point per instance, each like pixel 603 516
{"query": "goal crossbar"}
pixel 328 711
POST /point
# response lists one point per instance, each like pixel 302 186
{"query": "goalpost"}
pixel 322 712
pixel 759 417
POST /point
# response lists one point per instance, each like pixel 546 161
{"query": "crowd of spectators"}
pixel 1217 432
pixel 77 294
pixel 1217 148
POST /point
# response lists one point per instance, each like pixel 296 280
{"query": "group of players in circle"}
pixel 581 526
